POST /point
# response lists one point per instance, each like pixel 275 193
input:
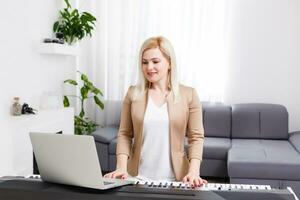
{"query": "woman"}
pixel 156 116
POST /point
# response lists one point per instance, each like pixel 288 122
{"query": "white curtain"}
pixel 196 28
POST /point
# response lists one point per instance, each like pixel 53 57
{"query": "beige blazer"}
pixel 185 120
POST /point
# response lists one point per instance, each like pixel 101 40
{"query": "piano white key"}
pixel 138 183
pixel 205 185
pixel 150 183
pixel 246 187
pixel 176 184
pixel 187 185
pixel 268 187
pixel 241 186
pixel 235 186
pixel 169 183
pixel 156 183
pixel 212 185
pixel 166 184
pixel 260 187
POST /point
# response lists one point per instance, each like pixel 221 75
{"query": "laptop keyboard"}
pixel 107 182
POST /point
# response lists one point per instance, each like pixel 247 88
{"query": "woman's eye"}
pixel 145 63
pixel 155 62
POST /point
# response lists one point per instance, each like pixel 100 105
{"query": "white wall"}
pixel 264 61
pixel 23 71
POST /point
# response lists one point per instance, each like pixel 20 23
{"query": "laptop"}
pixel 70 160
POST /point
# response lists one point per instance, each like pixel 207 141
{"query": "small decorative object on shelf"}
pixel 55 40
pixel 27 110
pixel 47 40
pixel 16 107
pixel 60 37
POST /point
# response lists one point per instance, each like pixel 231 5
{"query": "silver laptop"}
pixel 71 160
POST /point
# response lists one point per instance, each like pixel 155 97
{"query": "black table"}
pixel 35 189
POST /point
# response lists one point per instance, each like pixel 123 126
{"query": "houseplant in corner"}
pixel 84 125
pixel 73 25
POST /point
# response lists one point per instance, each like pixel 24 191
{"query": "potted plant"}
pixel 84 125
pixel 74 25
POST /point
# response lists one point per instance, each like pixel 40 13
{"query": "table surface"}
pixel 21 188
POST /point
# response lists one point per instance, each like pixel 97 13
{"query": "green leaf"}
pixel 68 4
pixel 84 78
pixel 66 101
pixel 75 14
pixel 81 114
pixel 98 102
pixel 84 92
pixel 91 17
pixel 67 13
pixel 89 85
pixel 70 81
pixel 64 14
pixel 55 26
pixel 78 130
pixel 96 91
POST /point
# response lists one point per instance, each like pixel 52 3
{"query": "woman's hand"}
pixel 121 168
pixel 118 173
pixel 193 179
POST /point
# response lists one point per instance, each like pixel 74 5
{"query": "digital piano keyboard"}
pixel 225 191
pixel 34 188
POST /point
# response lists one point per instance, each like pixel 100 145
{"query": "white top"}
pixel 155 161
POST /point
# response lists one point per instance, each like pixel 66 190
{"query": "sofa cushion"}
pixel 259 121
pixel 106 134
pixel 263 159
pixel 216 119
pixel 112 146
pixel 216 148
pixel 295 140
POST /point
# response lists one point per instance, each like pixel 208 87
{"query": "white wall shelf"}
pixel 58 49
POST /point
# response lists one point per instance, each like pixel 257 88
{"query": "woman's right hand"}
pixel 118 173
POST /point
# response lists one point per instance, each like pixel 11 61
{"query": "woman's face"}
pixel 155 65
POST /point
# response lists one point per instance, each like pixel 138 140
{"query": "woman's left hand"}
pixel 194 179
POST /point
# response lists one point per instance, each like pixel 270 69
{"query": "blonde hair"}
pixel 167 50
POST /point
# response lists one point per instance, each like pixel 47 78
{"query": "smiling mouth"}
pixel 151 73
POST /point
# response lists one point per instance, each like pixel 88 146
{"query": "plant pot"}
pixel 71 40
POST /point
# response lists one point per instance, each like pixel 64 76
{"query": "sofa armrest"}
pixel 295 140
pixel 105 135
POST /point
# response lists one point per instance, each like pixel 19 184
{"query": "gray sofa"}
pixel 247 143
